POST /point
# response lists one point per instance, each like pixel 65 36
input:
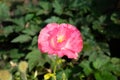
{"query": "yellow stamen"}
pixel 60 38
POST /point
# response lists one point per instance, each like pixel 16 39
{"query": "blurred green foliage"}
pixel 98 21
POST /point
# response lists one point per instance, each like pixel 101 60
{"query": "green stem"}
pixel 55 66
pixel 54 72
pixel 23 76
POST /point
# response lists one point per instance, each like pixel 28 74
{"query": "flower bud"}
pixel 23 65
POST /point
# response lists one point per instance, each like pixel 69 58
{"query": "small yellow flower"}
pixel 48 76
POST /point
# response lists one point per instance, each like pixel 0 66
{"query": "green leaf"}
pixel 22 39
pixel 92 56
pixel 100 62
pixel 35 58
pixel 86 67
pixel 29 17
pixel 102 19
pixel 18 28
pixel 31 30
pixel 63 74
pixel 45 5
pixel 40 12
pixel 14 54
pixel 104 76
pixel 19 22
pixel 98 76
pixel 34 41
pixel 4 11
pixel 71 21
pixel 54 19
pixel 8 30
pixel 57 7
pixel 89 18
pixel 115 18
pixel 113 66
pixel 104 47
pixel 115 60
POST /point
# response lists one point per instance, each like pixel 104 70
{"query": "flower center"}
pixel 60 38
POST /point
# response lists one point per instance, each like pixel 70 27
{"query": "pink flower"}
pixel 61 40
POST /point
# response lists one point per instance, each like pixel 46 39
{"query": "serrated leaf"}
pixel 104 47
pixel 8 30
pixel 71 21
pixel 113 67
pixel 40 12
pixel 20 22
pixel 54 19
pixel 92 56
pixel 98 76
pixel 34 41
pixel 115 60
pixel 45 5
pixel 18 28
pixel 35 58
pixel 115 18
pixel 29 17
pixel 102 19
pixel 86 67
pixel 14 54
pixel 29 32
pixel 21 39
pixel 104 76
pixel 4 11
pixel 57 7
pixel 64 74
pixel 100 62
